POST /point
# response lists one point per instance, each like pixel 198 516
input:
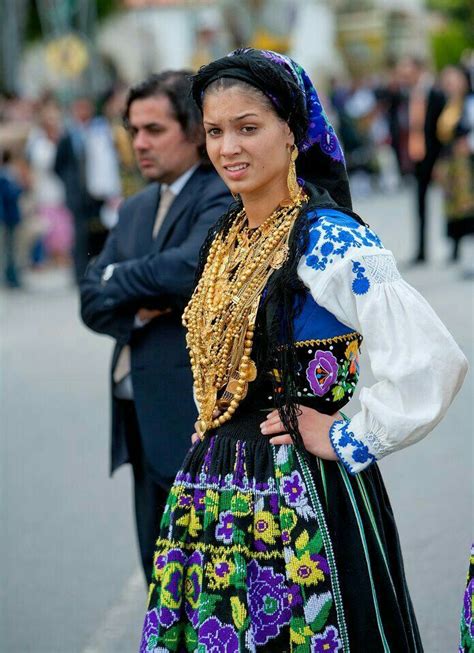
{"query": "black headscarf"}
pixel 291 92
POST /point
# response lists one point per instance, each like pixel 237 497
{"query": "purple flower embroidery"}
pixel 150 631
pixel 285 536
pixel 322 372
pixel 293 488
pixel 268 602
pixel 167 617
pixel 185 501
pixel 193 586
pixel 322 562
pixel 216 637
pixel 160 562
pixel 224 529
pixel 328 642
pixel 468 607
pixel 199 499
pixel 294 596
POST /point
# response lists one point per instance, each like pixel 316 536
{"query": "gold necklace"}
pixel 220 317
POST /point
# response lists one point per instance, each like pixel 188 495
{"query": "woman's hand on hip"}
pixel 314 428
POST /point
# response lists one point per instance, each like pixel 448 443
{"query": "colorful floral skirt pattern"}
pixel 466 644
pixel 265 549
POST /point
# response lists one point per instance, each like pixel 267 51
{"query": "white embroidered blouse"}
pixel 417 365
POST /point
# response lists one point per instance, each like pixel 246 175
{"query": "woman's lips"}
pixel 236 170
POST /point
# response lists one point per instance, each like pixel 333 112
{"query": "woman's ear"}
pixel 291 137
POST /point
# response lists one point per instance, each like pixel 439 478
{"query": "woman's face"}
pixel 248 144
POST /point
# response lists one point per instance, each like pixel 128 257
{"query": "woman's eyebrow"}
pixel 235 119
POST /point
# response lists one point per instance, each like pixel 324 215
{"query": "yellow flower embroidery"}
pixel 304 571
pixel 265 527
pixel 219 572
pixel 190 520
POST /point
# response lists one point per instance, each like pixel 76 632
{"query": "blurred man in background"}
pixel 137 289
pixel 425 104
pixel 70 166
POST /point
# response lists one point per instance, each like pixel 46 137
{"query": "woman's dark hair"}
pixel 273 81
pixel 176 86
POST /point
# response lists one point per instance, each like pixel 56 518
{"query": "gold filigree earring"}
pixel 292 180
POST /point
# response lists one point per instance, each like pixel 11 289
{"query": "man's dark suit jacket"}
pixel 154 274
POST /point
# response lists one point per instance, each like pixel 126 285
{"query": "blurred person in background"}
pixel 425 103
pixel 48 189
pixel 10 218
pixel 137 288
pixel 71 167
pixel 131 179
pixel 455 130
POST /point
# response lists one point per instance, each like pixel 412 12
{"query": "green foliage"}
pixel 449 43
pixel 106 7
pixel 33 24
pixel 455 9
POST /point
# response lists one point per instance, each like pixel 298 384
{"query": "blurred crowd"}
pixel 62 177
pixel 412 126
pixel 64 170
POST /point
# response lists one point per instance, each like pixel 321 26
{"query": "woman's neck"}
pixel 260 205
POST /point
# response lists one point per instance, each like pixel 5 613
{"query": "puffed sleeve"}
pixel 417 365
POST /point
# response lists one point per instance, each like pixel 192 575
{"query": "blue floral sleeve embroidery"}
pixel 353 453
pixel 361 284
pixel 333 235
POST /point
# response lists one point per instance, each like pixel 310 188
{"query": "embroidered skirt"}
pixel 265 549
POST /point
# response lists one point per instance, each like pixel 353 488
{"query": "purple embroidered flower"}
pixel 193 586
pixel 185 501
pixel 468 607
pixel 322 372
pixel 150 631
pixel 322 562
pixel 167 616
pixel 216 637
pixel 160 562
pixel 199 499
pixel 293 488
pixel 268 602
pixel 285 536
pixel 260 546
pixel 328 642
pixel 222 569
pixel 274 507
pixel 294 596
pixel 224 529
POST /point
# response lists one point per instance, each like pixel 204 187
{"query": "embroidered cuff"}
pixel 353 453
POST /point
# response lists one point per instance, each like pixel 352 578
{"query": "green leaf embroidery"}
pixel 207 605
pixel 171 638
pixel 318 624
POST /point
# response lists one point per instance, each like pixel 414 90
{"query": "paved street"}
pixel 70 580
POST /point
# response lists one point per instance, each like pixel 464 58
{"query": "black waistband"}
pixel 243 426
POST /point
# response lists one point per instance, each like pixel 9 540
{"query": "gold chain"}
pixel 220 317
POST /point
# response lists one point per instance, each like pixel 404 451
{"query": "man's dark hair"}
pixel 176 86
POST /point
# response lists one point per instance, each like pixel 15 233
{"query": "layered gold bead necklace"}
pixel 220 317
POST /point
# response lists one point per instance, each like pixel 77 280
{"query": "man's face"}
pixel 82 110
pixel 163 151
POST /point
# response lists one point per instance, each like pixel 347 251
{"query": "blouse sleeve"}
pixel 417 365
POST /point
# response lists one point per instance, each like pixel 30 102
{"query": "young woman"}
pixel 278 534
